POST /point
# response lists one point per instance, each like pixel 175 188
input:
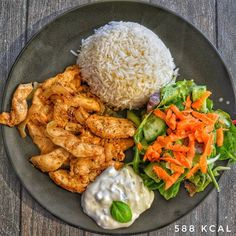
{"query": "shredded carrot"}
pixel 188 103
pixel 178 148
pixel 168 114
pixel 198 135
pixel 171 122
pixel 161 173
pixel 151 155
pixel 171 160
pixel 187 124
pixel 203 117
pixel 213 116
pixel 182 159
pixel 172 180
pixel 159 114
pixel 191 145
pixel 177 112
pixel 163 140
pixel 176 168
pixel 192 171
pixel 219 137
pixel 187 111
pixel 140 146
pixel 168 131
pixel 157 146
pixel 198 103
pixel 207 151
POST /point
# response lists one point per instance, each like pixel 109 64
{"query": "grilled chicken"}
pixel 88 103
pixel 19 107
pixel 71 143
pixel 38 135
pixel 114 149
pixel 40 112
pixel 69 182
pixel 51 161
pixel 110 127
pixel 65 121
pixel 69 79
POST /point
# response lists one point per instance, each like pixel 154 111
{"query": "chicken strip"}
pixel 67 181
pixel 83 166
pixel 60 113
pixel 51 161
pixel 87 137
pixel 73 127
pixel 89 104
pixel 19 107
pixel 70 74
pixel 39 137
pixel 71 143
pixel 40 112
pixel 81 115
pixel 110 127
pixel 114 149
pixel 83 171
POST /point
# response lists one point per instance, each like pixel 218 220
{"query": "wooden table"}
pixel 19 20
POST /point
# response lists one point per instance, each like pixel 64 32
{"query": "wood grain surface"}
pixel 19 20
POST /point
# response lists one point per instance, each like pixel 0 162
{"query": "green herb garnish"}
pixel 120 211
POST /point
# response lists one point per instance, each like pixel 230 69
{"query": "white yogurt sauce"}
pixel 123 185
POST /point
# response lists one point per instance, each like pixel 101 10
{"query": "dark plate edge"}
pixel 18 58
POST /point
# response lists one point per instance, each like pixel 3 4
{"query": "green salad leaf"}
pixel 176 93
pixel 152 126
pixel 228 150
pixel 170 192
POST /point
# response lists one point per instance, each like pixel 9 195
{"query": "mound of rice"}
pixel 124 63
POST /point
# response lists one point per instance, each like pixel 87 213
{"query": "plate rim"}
pixel 34 36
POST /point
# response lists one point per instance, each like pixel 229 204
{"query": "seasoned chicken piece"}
pixel 73 127
pixel 88 103
pixel 40 112
pixel 83 166
pixel 67 181
pixel 57 89
pixel 60 113
pixel 39 137
pixel 114 149
pixel 110 127
pixel 70 74
pixel 51 161
pixel 122 144
pixel 19 107
pixel 87 137
pixel 81 115
pixel 71 143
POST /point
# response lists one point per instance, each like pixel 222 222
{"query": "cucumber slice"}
pixel 133 117
pixel 154 127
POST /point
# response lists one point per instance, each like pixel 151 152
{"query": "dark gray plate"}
pixel 48 53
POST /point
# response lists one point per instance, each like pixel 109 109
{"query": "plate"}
pixel 48 53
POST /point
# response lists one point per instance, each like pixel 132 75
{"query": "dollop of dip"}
pixel 112 185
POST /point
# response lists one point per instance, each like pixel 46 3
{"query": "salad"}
pixel 182 140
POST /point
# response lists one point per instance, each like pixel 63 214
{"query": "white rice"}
pixel 124 63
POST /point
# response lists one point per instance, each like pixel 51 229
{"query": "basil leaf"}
pixel 120 211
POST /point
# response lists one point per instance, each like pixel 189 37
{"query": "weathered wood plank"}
pixel 202 14
pixel 36 220
pixel 12 39
pixel 226 16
